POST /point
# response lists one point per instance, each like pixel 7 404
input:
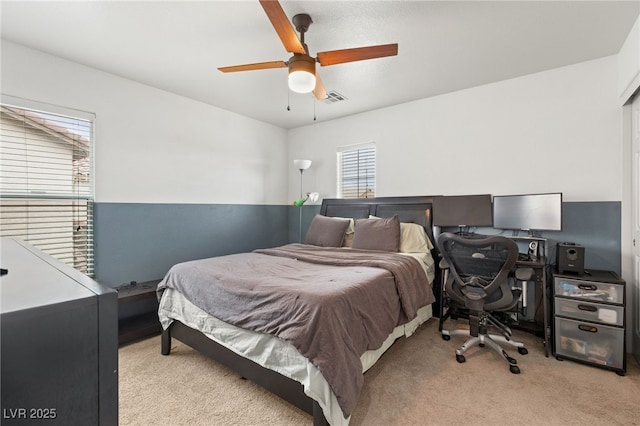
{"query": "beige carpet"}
pixel 417 382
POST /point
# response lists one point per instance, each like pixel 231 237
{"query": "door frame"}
pixel 630 237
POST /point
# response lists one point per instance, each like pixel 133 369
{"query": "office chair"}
pixel 477 279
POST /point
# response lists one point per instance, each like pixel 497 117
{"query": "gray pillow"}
pixel 326 231
pixel 377 234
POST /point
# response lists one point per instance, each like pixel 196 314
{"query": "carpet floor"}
pixel 416 382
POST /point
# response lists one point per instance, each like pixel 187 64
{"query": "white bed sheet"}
pixel 272 352
pixel 427 262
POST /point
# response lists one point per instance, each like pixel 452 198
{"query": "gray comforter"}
pixel 331 304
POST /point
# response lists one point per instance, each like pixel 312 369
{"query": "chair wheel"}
pixel 481 345
pixel 514 369
pixel 446 337
pixel 523 351
pixel 460 358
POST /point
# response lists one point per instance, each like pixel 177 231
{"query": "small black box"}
pixel 570 258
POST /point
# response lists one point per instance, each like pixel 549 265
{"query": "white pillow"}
pixel 413 238
pixel 348 237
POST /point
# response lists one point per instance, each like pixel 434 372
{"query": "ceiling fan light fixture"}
pixel 302 73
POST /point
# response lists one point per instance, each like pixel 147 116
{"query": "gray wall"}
pixel 594 225
pixel 597 227
pixel 140 242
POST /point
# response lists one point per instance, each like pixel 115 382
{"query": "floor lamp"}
pixel 301 165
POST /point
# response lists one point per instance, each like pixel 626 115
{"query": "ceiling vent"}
pixel 333 97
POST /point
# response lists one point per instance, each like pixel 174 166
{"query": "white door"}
pixel 635 200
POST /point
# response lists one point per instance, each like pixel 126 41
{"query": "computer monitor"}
pixel 531 212
pixel 462 210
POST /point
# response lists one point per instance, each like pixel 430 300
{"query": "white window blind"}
pixel 357 171
pixel 46 189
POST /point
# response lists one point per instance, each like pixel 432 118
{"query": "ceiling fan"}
pixel 303 77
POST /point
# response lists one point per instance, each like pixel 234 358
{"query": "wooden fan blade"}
pixel 319 92
pixel 283 27
pixel 257 66
pixel 333 57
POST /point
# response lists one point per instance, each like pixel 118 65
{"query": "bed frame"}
pixel 408 209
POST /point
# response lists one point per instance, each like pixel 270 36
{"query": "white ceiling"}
pixel 444 46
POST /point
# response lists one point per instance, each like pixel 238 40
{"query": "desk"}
pixel 537 324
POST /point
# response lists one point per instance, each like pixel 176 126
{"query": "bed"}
pixel 356 297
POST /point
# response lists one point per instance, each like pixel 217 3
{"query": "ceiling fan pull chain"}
pixel 288 100
pixel 314 109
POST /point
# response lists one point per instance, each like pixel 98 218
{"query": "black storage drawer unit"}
pixel 593 343
pixel 589 319
pixel 589 311
pixel 59 349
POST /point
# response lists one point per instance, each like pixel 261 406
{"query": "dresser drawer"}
pixel 594 343
pixel 592 291
pixel 583 310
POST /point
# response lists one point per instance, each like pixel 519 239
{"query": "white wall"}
pixel 629 63
pixel 152 146
pixel 559 130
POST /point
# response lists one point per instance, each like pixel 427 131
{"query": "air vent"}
pixel 333 97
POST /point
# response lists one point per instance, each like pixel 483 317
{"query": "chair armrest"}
pixel 524 274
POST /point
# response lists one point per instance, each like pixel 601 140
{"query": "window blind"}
pixel 46 189
pixel 357 171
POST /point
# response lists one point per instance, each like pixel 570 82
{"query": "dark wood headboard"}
pixel 409 209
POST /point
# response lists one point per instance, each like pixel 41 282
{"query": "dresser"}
pixel 59 348
pixel 589 319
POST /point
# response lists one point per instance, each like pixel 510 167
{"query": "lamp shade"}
pixel 314 196
pixel 302 73
pixel 302 164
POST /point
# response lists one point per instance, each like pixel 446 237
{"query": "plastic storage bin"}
pixel 589 319
pixel 594 343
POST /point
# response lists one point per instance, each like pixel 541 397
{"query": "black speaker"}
pixel 570 258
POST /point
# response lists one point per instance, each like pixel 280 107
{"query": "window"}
pixel 357 171
pixel 46 189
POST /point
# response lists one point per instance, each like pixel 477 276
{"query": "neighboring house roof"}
pixel 78 143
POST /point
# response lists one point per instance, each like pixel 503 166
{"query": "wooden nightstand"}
pixel 138 311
